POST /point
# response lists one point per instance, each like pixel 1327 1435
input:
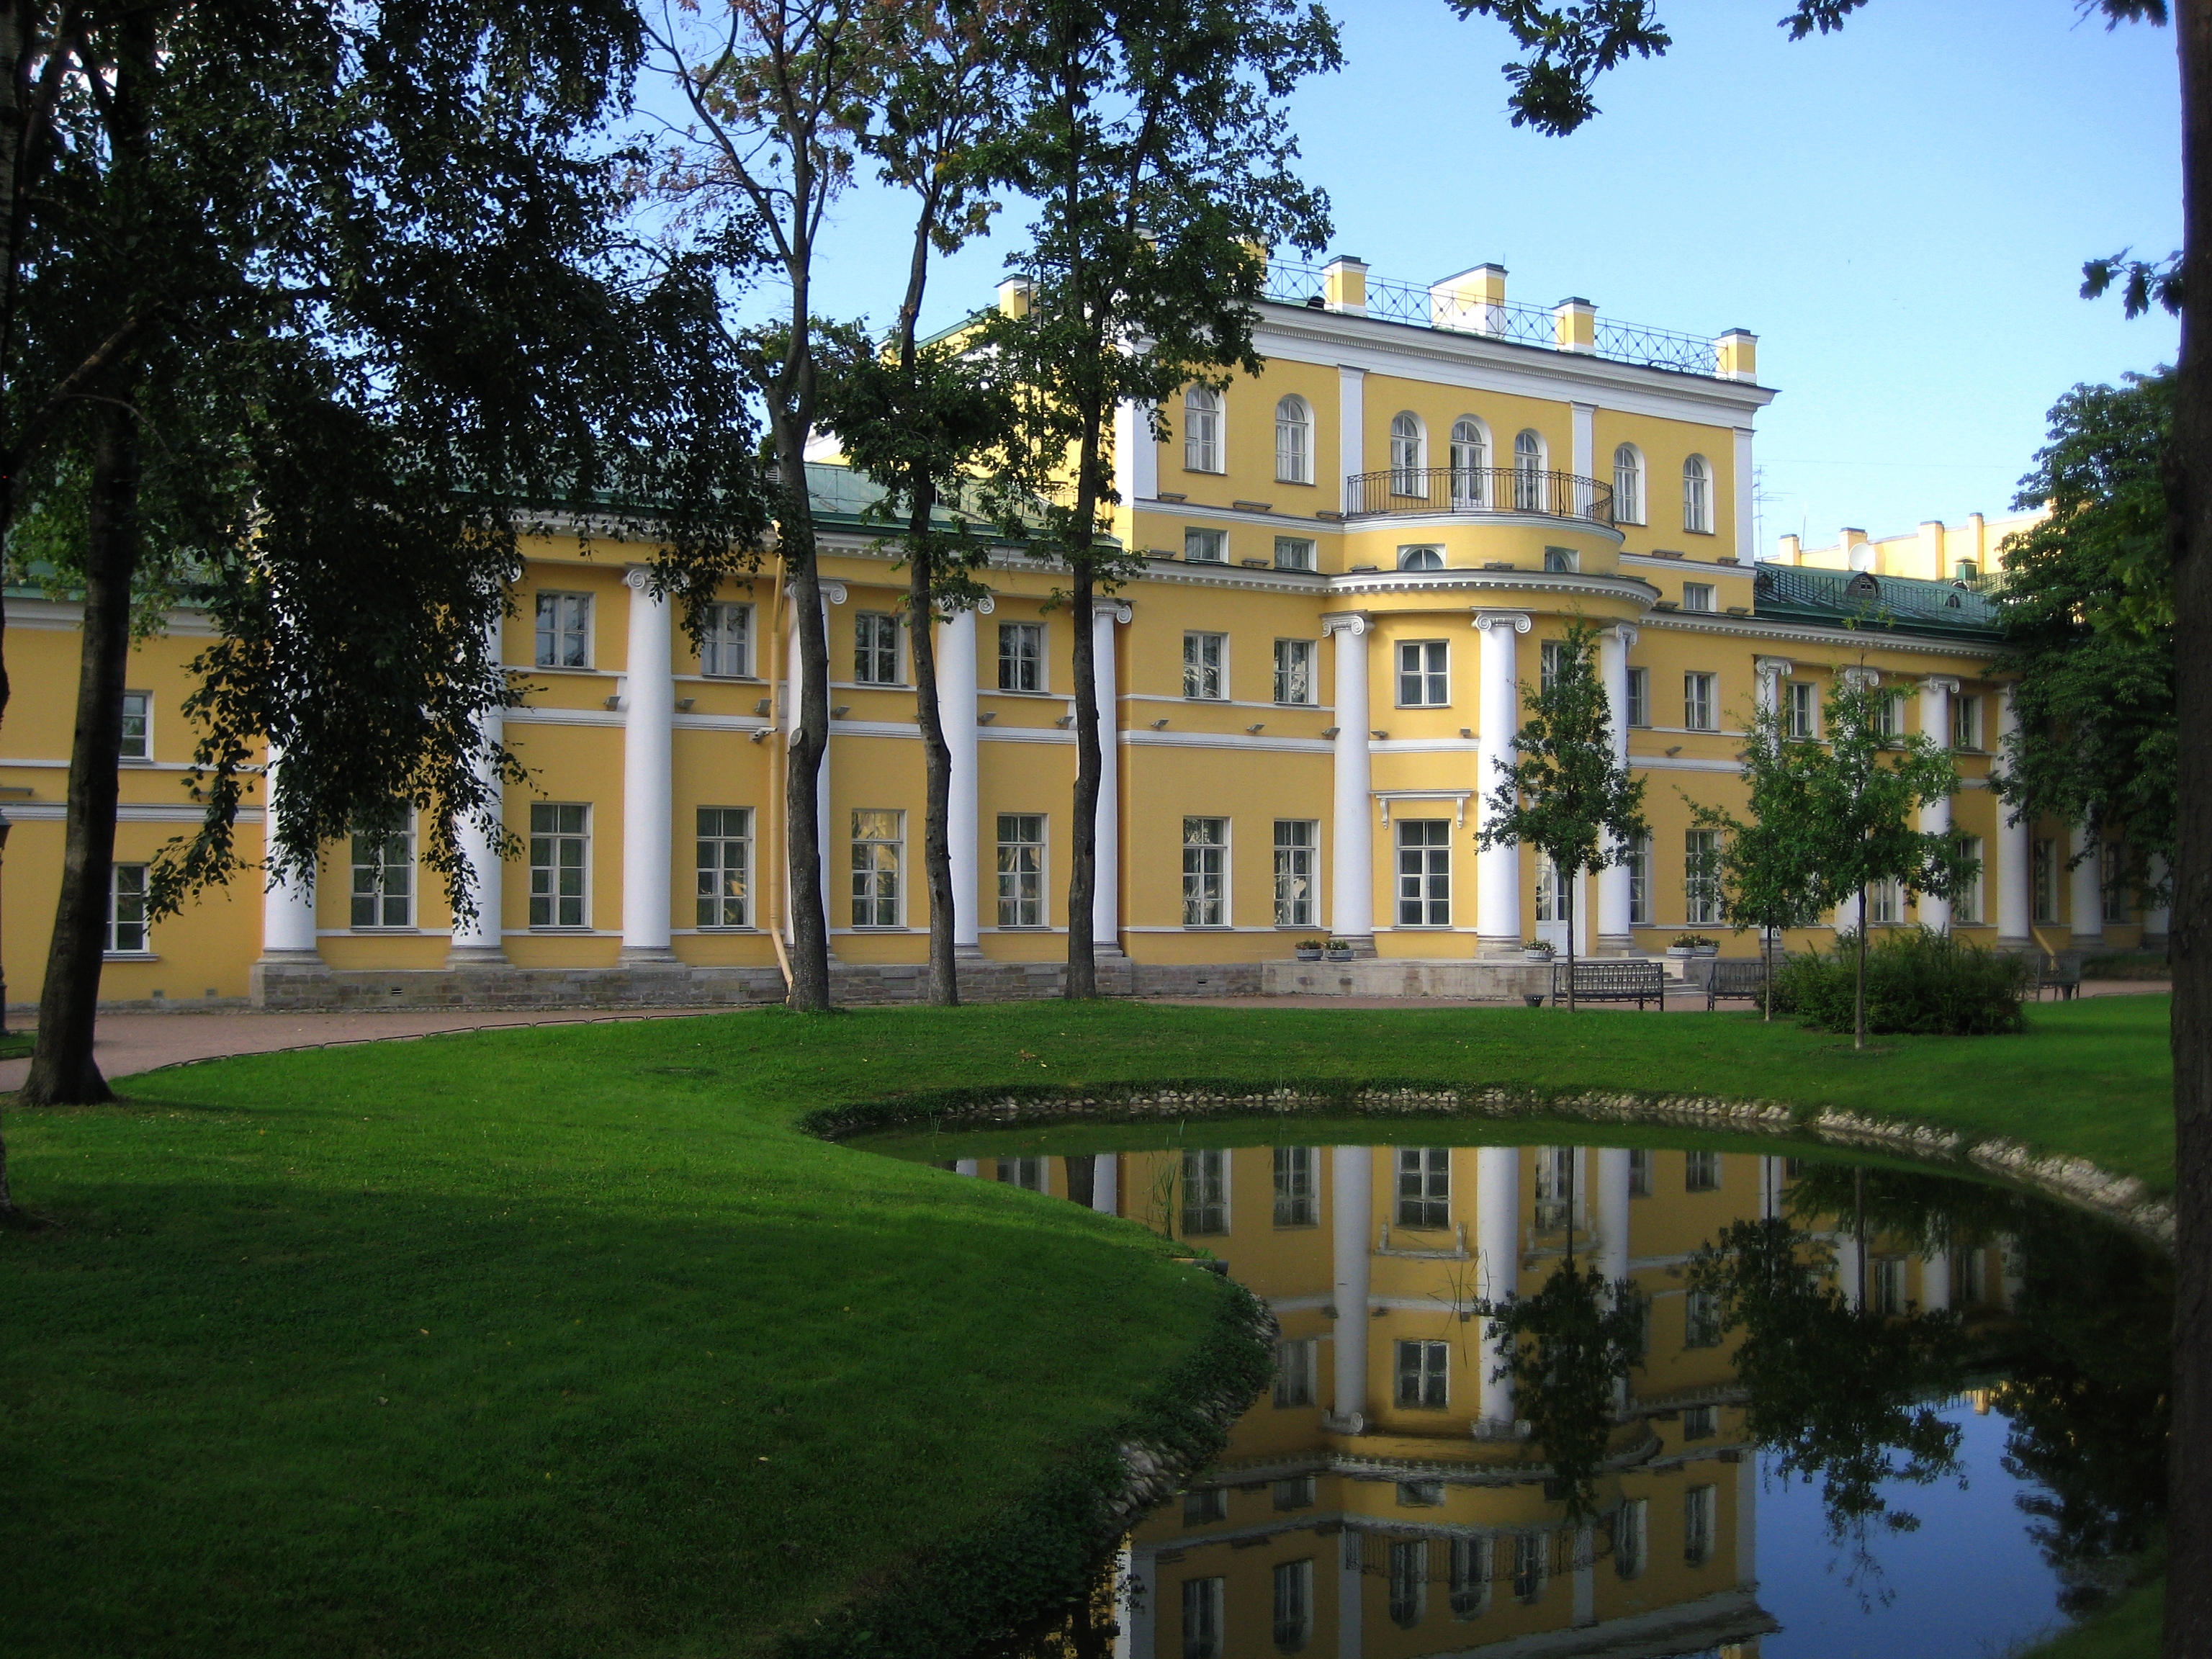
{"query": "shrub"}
pixel 1918 982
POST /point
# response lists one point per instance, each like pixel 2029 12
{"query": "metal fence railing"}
pixel 1480 489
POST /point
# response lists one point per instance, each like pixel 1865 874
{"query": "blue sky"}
pixel 1899 211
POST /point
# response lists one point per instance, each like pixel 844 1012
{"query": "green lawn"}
pixel 566 1340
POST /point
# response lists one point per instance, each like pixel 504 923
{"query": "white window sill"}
pixel 1008 692
pixel 721 933
pixel 128 956
pixel 559 668
pixel 572 932
pixel 375 933
pixel 134 760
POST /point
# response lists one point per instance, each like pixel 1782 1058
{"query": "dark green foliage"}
pixel 1917 980
pixel 1568 1348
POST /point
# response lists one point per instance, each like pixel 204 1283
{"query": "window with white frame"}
pixel 1701 1319
pixel 1204 546
pixel 875 648
pixel 1294 1605
pixel 1424 1376
pixel 878 864
pixel 1408 442
pixel 1470 1578
pixel 129 925
pixel 1294 671
pixel 1205 1505
pixel 1424 872
pixel 1885 902
pixel 1205 1601
pixel 1701 1172
pixel 1294 462
pixel 559 865
pixel 1697 596
pixel 1528 491
pixel 1888 1287
pixel 1205 872
pixel 1555 1179
pixel 1639 881
pixel 1294 553
pixel 1551 663
pixel 1420 558
pixel 1889 714
pixel 1424 1188
pixel 1548 908
pixel 1561 560
pixel 564 630
pixel 1297 849
pixel 1804 711
pixel 1470 464
pixel 1630 1537
pixel 1627 485
pixel 1967 722
pixel 137 727
pixel 2112 873
pixel 725 647
pixel 1409 1582
pixel 1298 1191
pixel 1639 696
pixel 1294 1372
pixel 725 861
pixel 1295 1493
pixel 1700 1515
pixel 383 890
pixel 1532 1566
pixel 1424 674
pixel 1639 1172
pixel 1698 497
pixel 2044 861
pixel 1205 659
pixel 1700 1422
pixel 1021 656
pixel 1700 851
pixel 1700 707
pixel 1201 430
pixel 1031 1175
pixel 1205 1192
pixel 1967 900
pixel 1021 869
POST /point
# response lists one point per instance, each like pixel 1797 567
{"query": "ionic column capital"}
pixel 985 606
pixel 1626 633
pixel 1118 610
pixel 1519 620
pixel 1354 622
pixel 1774 666
pixel 638 578
pixel 1945 684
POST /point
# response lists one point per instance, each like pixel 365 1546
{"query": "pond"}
pixel 1666 1398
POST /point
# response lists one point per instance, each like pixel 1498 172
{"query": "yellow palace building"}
pixel 1353 562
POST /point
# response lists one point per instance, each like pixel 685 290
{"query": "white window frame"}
pixel 1205 873
pixel 1204 666
pixel 573 619
pixel 1423 867
pixel 1884 904
pixel 1427 674
pixel 1298 669
pixel 1967 722
pixel 1204 421
pixel 1423 556
pixel 1640 697
pixel 1700 700
pixel 1298 1188
pixel 1531 461
pixel 1409 454
pixel 1421 1188
pixel 1700 1524
pixel 875 635
pixel 879 884
pixel 1293 1588
pixel 1202 546
pixel 1295 553
pixel 1022 870
pixel 1696 496
pixel 1471 1558
pixel 1205 1601
pixel 130 931
pixel 1027 658
pixel 1407 1603
pixel 1698 599
pixel 368 854
pixel 1421 1374
pixel 1206 1173
pixel 1297 872
pixel 725 645
pixel 548 827
pixel 1639 881
pixel 1470 462
pixel 1297 1375
pixel 1294 445
pixel 1700 907
pixel 1967 902
pixel 1632 1537
pixel 137 742
pixel 1627 484
pixel 721 852
pixel 1802 702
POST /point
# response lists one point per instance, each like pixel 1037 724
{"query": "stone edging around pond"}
pixel 2122 1200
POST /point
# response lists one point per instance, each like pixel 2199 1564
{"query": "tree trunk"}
pixel 1089 767
pixel 1858 991
pixel 810 734
pixel 1766 977
pixel 62 1070
pixel 2189 478
pixel 1567 904
pixel 936 753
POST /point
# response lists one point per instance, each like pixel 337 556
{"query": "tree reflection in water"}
pixel 1568 1349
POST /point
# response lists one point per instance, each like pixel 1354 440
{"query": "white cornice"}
pixel 1750 628
pixel 1654 561
pixel 62 614
pixel 1569 583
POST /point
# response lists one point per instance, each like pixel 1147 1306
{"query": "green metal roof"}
pixel 1861 600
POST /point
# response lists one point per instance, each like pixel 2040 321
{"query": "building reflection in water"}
pixel 1388 1500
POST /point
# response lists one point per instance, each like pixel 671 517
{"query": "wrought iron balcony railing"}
pixel 1480 489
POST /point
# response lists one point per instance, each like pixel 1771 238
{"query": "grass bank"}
pixel 569 1340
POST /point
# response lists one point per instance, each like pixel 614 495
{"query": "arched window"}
pixel 1528 492
pixel 1405 457
pixel 1420 558
pixel 1696 496
pixel 1627 485
pixel 1470 464
pixel 1201 430
pixel 1293 441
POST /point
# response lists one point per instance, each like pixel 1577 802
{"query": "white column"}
pixel 1936 1282
pixel 477 943
pixel 1935 694
pixel 1352 854
pixel 1613 1206
pixel 1847 915
pixel 1352 1236
pixel 1583 464
pixel 288 903
pixel 648 771
pixel 1497 869
pixel 1585 1578
pixel 2088 885
pixel 1139 1607
pixel 1746 536
pixel 1106 893
pixel 2014 855
pixel 1350 434
pixel 1614 929
pixel 1847 1265
pixel 1106 1183
pixel 1498 1266
pixel 956 711
pixel 1351 1593
pixel 968 1166
pixel 1746 1524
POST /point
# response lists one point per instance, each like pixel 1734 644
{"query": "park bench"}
pixel 1612 981
pixel 2059 975
pixel 1735 979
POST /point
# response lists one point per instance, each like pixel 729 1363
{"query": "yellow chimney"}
pixel 1344 285
pixel 1014 296
pixel 1574 322
pixel 1736 355
pixel 1472 302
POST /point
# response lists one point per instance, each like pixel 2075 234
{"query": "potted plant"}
pixel 1684 945
pixel 1337 949
pixel 1705 947
pixel 1537 950
pixel 1308 949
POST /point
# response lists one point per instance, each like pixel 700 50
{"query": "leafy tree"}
pixel 1151 135
pixel 1765 873
pixel 2088 612
pixel 1567 792
pixel 1568 1348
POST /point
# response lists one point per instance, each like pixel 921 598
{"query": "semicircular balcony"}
pixel 1504 491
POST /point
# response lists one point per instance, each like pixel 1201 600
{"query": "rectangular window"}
pixel 1425 1186
pixel 1699 849
pixel 1884 904
pixel 1965 722
pixel 1630 1537
pixel 1204 1194
pixel 1697 596
pixel 138 725
pixel 1555 1173
pixel 1205 872
pixel 1206 546
pixel 564 630
pixel 1030 1173
pixel 1700 1511
pixel 1424 674
pixel 1424 873
pixel 129 930
pixel 1639 881
pixel 1409 1582
pixel 1297 842
pixel 1204 658
pixel 1532 1566
pixel 725 648
pixel 2112 871
pixel 1021 656
pixel 1966 901
pixel 1889 714
pixel 1294 1602
pixel 1700 1422
pixel 1560 561
pixel 725 865
pixel 1422 1379
pixel 1552 661
pixel 1294 671
pixel 2045 863
pixel 878 853
pixel 1701 1172
pixel 560 866
pixel 1888 1285
pixel 1698 706
pixel 1204 1506
pixel 1021 870
pixel 1470 1578
pixel 875 648
pixel 1294 553
pixel 384 875
pixel 1295 1493
pixel 1804 709
pixel 1297 1203
pixel 1639 1172
pixel 1295 1372
pixel 1701 1320
pixel 1203 1601
pixel 1639 696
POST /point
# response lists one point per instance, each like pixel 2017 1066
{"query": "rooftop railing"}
pixel 1480 489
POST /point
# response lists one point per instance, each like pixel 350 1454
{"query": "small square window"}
pixel 1560 561
pixel 1420 1494
pixel 1294 553
pixel 1700 1422
pixel 1697 596
pixel 1424 674
pixel 1204 1507
pixel 1206 546
pixel 1701 1172
pixel 1297 1492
